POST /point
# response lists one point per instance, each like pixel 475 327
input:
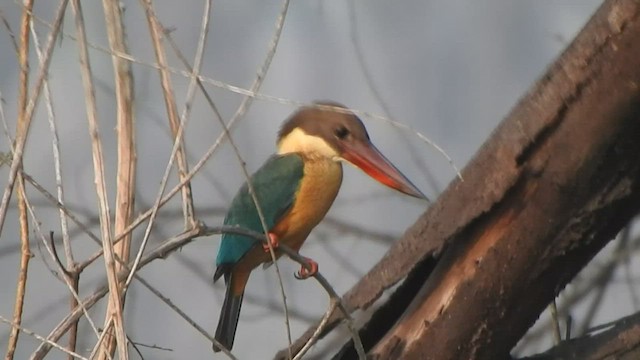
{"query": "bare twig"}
pixel 56 257
pixel 144 216
pixel 316 335
pixel 125 178
pixel 68 279
pixel 178 149
pixel 160 252
pixel 23 125
pixel 26 111
pixel 69 270
pixel 25 256
pixel 56 154
pixel 176 126
pixel 62 208
pixel 182 314
pixel 99 178
pixel 40 338
pixel 12 35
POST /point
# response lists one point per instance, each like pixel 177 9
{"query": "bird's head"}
pixel 339 135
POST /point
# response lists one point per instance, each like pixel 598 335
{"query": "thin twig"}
pixel 12 35
pixel 176 126
pixel 316 334
pixel 125 178
pixel 144 216
pixel 62 207
pixel 5 130
pixel 160 252
pixel 182 314
pixel 40 338
pixel 56 257
pixel 105 332
pixel 72 286
pixel 26 113
pixel 23 124
pixel 69 270
pixel 177 149
pixel 56 154
pixel 99 177
pixel 25 256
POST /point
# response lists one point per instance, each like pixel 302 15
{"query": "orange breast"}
pixel 319 188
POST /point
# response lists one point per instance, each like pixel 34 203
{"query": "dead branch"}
pixel 23 123
pixel 156 31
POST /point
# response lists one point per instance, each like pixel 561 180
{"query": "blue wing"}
pixel 275 184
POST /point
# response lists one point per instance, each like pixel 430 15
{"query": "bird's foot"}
pixel 305 273
pixel 273 240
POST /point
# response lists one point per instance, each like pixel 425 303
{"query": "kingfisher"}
pixel 294 189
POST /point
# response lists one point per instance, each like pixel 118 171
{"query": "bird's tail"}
pixel 228 322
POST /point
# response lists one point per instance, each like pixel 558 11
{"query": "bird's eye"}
pixel 341 132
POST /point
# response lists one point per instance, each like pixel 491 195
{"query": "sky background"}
pixel 450 70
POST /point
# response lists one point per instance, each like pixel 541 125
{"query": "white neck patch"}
pixel 299 141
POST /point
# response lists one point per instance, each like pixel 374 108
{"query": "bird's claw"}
pixel 273 240
pixel 305 273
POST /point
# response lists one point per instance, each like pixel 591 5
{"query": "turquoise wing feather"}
pixel 275 184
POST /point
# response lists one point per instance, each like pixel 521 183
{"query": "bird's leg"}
pixel 273 240
pixel 305 273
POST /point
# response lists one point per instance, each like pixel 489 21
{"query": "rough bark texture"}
pixel 553 184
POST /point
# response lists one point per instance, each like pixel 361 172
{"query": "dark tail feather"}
pixel 228 322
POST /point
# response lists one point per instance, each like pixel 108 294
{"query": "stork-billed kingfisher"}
pixel 295 188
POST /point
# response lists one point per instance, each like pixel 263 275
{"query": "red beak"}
pixel 365 156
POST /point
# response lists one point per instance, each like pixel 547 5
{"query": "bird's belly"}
pixel 318 190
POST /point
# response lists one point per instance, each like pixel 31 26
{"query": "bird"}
pixel 294 189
